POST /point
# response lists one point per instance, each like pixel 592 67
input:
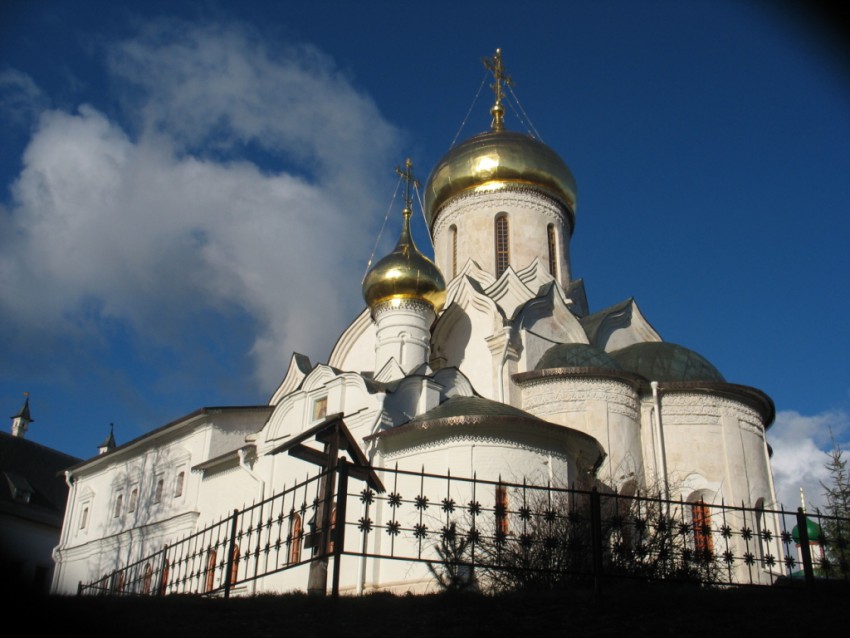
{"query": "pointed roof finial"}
pixel 494 65
pixel 22 419
pixel 409 180
pixel 108 443
pixel 24 412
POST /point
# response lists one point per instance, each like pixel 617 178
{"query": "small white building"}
pixel 487 363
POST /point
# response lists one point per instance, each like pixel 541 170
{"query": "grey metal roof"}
pixel 461 413
pixel 40 468
pixel 472 406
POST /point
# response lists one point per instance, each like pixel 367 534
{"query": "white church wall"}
pixel 355 349
pixel 229 428
pixel 510 457
pixel 403 333
pixel 542 323
pixel 718 446
pixel 719 439
pixel 224 489
pixel 324 393
pixel 460 339
pixel 605 409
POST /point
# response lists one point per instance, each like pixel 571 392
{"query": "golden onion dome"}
pixel 405 274
pixel 494 160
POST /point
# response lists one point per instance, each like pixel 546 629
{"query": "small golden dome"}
pixel 405 274
pixel 494 160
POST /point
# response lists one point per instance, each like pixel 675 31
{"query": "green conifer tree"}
pixel 837 525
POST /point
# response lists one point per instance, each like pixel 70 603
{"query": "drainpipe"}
pixel 243 463
pixel 507 332
pixel 661 451
pixel 72 493
pixel 66 529
pixel 775 506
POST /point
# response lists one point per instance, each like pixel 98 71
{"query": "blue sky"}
pixel 190 191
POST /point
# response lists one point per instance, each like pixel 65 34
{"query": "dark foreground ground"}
pixel 636 610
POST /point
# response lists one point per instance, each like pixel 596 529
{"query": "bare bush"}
pixel 561 538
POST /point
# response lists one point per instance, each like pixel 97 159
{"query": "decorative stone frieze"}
pixel 507 197
pixel 688 408
pixel 413 305
pixel 556 395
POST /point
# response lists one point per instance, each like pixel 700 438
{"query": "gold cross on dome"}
pixel 409 179
pixel 494 65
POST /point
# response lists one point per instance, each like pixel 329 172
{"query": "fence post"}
pixel 596 538
pixel 229 569
pixel 805 548
pixel 339 531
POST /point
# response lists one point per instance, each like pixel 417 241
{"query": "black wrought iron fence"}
pixel 493 535
pixel 256 542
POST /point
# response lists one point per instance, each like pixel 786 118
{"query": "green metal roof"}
pixel 812 529
pixel 576 355
pixel 660 361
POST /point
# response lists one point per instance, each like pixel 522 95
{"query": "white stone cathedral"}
pixel 502 373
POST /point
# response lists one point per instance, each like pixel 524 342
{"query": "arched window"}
pixel 234 569
pixel 157 492
pixel 134 499
pixel 501 509
pixel 503 248
pixel 147 577
pixel 553 250
pixel 84 518
pixel 178 485
pixel 453 248
pixel 295 533
pixel 332 531
pixel 119 504
pixel 163 582
pixel 210 581
pixel 701 519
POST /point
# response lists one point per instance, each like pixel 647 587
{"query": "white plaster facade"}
pixel 404 378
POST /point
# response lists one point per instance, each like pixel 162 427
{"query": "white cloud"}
pixel 216 86
pixel 20 97
pixel 153 229
pixel 800 444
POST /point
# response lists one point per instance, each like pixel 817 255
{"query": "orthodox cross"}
pixel 494 65
pixel 409 179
